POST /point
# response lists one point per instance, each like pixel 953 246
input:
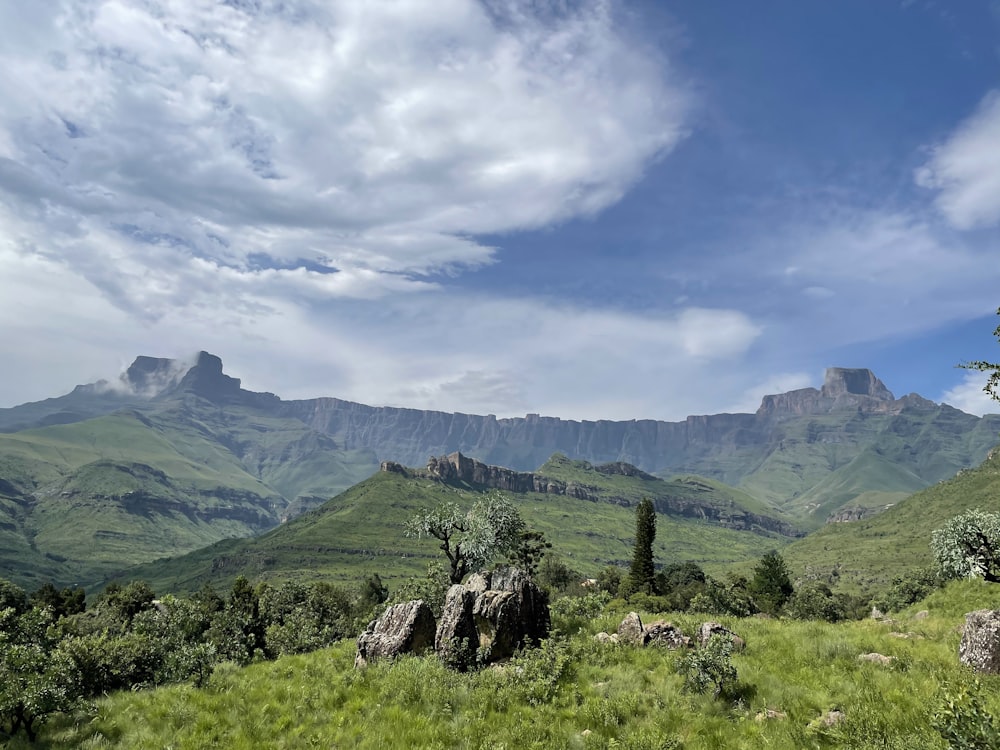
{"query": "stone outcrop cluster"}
pixel 483 621
pixel 666 635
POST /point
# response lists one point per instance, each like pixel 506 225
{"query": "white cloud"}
pixel 968 395
pixel 146 144
pixel 965 169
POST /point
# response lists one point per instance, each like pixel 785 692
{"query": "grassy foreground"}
pixel 574 693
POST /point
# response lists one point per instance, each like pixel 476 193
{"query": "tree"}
pixel 529 550
pixel 472 538
pixel 968 546
pixel 642 571
pixel 771 585
pixel 36 680
pixel 992 386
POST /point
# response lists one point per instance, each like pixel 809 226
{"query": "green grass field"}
pixel 574 693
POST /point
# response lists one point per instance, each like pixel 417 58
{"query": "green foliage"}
pixel 529 551
pixel 572 613
pixel 909 588
pixel 35 680
pixel 814 601
pixel 474 537
pixel 579 694
pixel 963 721
pixel 992 386
pixel 12 597
pixel 642 570
pixel 609 579
pixel 431 587
pixel 709 667
pixel 968 546
pixel 870 553
pixel 556 576
pixel 771 585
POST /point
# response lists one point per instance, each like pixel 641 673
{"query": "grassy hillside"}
pixel 869 553
pixel 361 530
pixel 577 693
pixel 79 501
pixel 817 465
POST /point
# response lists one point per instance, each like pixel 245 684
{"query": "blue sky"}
pixel 581 208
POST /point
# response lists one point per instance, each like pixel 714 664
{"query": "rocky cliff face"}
pixel 784 437
pixel 843 389
pixel 458 469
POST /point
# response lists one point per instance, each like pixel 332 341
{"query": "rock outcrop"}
pixel 490 617
pixel 710 628
pixel 980 645
pixel 458 468
pixel 407 628
pixel 660 633
pixel 483 621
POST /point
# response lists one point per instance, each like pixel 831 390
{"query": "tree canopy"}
pixel 992 386
pixel 968 546
pixel 474 537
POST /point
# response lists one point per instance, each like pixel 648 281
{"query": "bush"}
pixel 709 667
pixel 963 722
pixel 570 613
pixel 814 601
pixel 909 589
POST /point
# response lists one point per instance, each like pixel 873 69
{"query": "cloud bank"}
pixel 346 149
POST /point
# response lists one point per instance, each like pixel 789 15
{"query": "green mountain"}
pixel 81 499
pixel 173 456
pixel 872 551
pixel 585 511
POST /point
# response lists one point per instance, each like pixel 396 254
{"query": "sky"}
pixel 591 209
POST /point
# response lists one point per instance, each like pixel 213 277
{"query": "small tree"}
pixel 968 546
pixel 992 386
pixel 531 547
pixel 472 538
pixel 36 681
pixel 771 585
pixel 642 570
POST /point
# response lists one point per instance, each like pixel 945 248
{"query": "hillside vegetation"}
pixel 361 530
pixel 577 693
pixel 870 552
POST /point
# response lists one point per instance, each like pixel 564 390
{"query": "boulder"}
pixel 491 617
pixel 457 639
pixel 710 628
pixel 666 635
pixel 531 603
pixel 631 630
pixel 406 628
pixel 980 645
pixel 876 658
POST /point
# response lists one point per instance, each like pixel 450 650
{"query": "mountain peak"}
pixel 206 379
pixel 840 381
pixel 150 376
pixel 844 388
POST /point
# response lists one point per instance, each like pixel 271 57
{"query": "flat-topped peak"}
pixel 840 381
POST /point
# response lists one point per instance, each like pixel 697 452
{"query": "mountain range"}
pixel 173 456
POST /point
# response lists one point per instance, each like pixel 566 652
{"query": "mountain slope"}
pixel 872 551
pixel 182 445
pixel 174 474
pixel 361 530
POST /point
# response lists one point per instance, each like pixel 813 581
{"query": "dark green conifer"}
pixel 642 571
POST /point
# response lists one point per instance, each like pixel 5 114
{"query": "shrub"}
pixel 963 722
pixel 814 601
pixel 709 667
